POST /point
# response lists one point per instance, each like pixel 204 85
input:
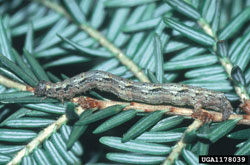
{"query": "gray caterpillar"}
pixel 171 93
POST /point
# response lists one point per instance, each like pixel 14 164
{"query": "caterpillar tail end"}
pixel 40 89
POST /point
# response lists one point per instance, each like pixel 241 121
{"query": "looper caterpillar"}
pixel 171 93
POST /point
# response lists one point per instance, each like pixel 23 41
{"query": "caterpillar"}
pixel 170 93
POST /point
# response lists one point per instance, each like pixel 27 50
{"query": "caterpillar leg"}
pixel 197 107
pixel 199 114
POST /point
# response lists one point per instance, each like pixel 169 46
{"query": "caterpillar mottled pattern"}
pixel 171 93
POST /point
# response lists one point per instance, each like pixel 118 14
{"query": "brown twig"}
pixel 212 115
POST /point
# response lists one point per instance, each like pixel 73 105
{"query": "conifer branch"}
pixel 176 151
pixel 225 62
pixel 102 40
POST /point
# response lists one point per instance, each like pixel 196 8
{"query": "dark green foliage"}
pixel 55 157
pixel 50 108
pixel 237 76
pixel 28 122
pixel 245 149
pixel 16 135
pixel 4 158
pixel 21 112
pixel 89 51
pixel 184 8
pixel 115 121
pixel 101 114
pixel 27 160
pixel 35 66
pixel 5 43
pixel 222 48
pixel 159 59
pixel 40 157
pixel 8 149
pixel 217 132
pixel 61 147
pixel 189 32
pixel 194 62
pixel 242 134
pixel 167 123
pixel 136 146
pixel 24 66
pixel 142 125
pixel 11 95
pixel 29 99
pixel 160 137
pixel 134 158
pixel 17 70
pixel 77 131
pixel 183 41
pixel 75 11
pixel 235 24
pixel 70 111
pixel 190 157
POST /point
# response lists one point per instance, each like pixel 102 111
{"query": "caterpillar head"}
pixel 40 89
